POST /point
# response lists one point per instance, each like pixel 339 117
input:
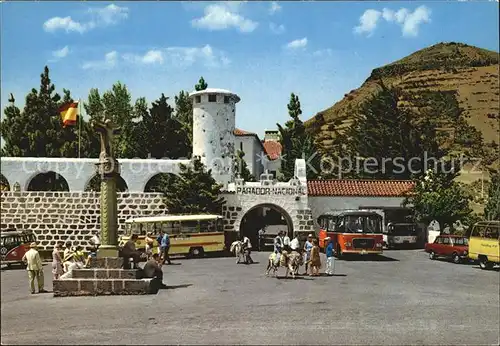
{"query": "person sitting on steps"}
pixel 129 251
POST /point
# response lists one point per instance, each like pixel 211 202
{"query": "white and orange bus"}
pixel 190 235
pixel 353 232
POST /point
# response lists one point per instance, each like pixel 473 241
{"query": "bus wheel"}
pixel 196 252
pixel 484 264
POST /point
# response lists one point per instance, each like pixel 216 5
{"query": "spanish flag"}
pixel 69 113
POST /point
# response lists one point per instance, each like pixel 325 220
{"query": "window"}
pixel 226 99
pixel 478 231
pixel 212 98
pixel 438 240
pixel 460 241
pixel 446 240
pixel 241 146
pixel 273 174
pixel 197 99
pixel 491 232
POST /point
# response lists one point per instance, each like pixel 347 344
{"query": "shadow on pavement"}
pixel 173 287
pixel 368 258
pixel 297 277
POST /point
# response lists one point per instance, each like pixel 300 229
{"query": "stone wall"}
pixel 62 216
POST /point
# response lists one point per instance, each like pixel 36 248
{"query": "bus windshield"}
pixel 360 224
pixel 402 229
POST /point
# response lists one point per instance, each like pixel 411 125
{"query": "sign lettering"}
pixel 282 191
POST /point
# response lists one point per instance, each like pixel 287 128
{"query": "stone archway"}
pixel 94 184
pixel 159 182
pixel 48 181
pixel 269 215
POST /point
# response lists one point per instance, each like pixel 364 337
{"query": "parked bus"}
pixel 397 235
pixel 484 243
pixel 355 232
pixel 13 246
pixel 191 235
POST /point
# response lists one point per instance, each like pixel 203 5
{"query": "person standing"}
pixel 286 242
pixel 261 238
pixel 307 249
pixel 149 244
pixel 57 267
pixel 315 259
pixel 247 250
pixel 34 267
pixel 278 246
pixel 330 264
pixel 165 247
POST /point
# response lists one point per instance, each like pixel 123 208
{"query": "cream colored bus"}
pixel 192 235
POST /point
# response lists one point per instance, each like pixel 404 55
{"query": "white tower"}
pixel 214 113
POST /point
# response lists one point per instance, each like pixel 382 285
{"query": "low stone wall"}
pixel 62 216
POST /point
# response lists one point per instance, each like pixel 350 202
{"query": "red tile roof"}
pixel 368 188
pixel 273 149
pixel 238 132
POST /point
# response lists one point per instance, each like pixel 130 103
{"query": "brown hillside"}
pixel 471 72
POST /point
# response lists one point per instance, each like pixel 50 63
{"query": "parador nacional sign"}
pixel 277 191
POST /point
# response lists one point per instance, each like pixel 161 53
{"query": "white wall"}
pixel 253 153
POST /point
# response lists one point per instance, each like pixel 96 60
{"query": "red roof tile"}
pixel 238 132
pixel 369 188
pixel 273 149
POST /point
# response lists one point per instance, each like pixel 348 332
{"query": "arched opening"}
pixel 160 182
pixel 4 183
pixel 49 181
pixel 94 184
pixel 269 217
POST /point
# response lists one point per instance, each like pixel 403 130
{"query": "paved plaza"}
pixel 404 299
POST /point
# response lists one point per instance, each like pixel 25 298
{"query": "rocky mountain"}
pixel 471 73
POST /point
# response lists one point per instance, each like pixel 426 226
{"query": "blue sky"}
pixel 262 51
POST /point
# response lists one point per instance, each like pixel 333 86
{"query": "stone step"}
pixel 106 262
pixel 101 273
pixel 100 287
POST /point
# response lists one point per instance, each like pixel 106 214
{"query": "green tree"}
pixel 12 130
pixel 202 85
pixel 241 167
pixel 492 208
pixel 296 144
pixel 195 191
pixel 184 115
pixel 436 196
pixel 388 141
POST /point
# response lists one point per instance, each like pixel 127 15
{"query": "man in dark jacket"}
pixel 129 251
pixel 152 270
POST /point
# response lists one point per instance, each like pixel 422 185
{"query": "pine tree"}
pixel 295 142
pixel 184 115
pixel 12 129
pixel 492 208
pixel 195 191
pixel 202 85
pixel 241 168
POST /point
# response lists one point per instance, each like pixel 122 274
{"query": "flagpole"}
pixel 79 124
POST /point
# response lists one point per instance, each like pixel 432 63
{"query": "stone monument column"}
pixel 108 169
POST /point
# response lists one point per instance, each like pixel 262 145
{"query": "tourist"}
pixel 95 240
pixel 57 267
pixel 278 246
pixel 247 249
pixel 79 256
pixel 165 248
pixel 93 254
pixel 307 249
pixel 158 240
pixel 129 251
pixel 286 242
pixel 330 264
pixel 262 244
pixel 149 240
pixel 34 267
pixel 295 244
pixel 315 259
pixel 67 250
pixel 152 269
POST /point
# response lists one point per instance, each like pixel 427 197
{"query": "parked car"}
pixel 449 246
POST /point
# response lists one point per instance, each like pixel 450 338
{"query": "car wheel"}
pixel 432 255
pixel 456 258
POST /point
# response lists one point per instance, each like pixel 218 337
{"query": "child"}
pixel 330 264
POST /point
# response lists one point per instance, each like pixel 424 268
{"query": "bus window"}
pixel 478 231
pixel 491 232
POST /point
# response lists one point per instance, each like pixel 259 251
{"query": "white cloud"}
pixel 173 56
pixel 277 29
pixel 323 52
pixel 296 44
pixel 224 16
pixel 275 7
pixel 409 21
pixel 61 53
pixel 368 22
pixel 101 17
pixel 110 61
